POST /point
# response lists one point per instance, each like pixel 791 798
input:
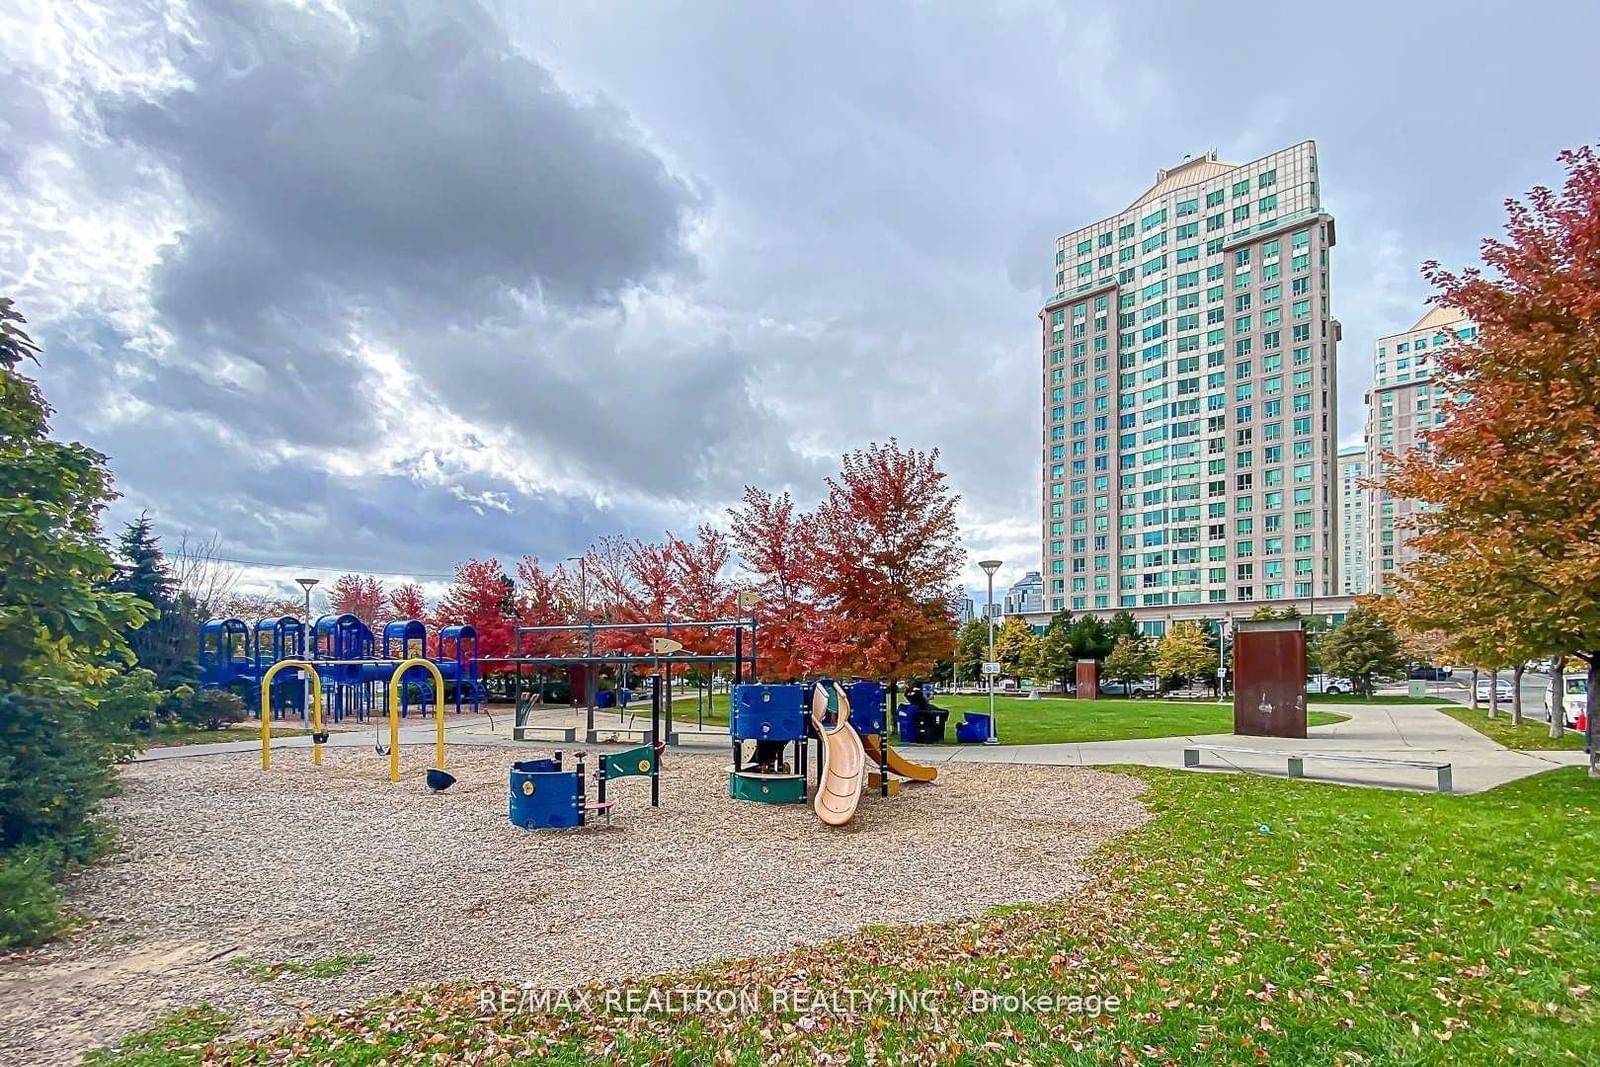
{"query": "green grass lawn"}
pixel 1532 735
pixel 1051 720
pixel 1252 920
pixel 170 736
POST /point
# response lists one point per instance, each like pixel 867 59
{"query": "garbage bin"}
pixel 927 725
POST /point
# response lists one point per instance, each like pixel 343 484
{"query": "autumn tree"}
pixel 406 602
pixel 1131 660
pixel 1183 653
pixel 359 595
pixel 1509 479
pixel 888 554
pixel 703 592
pixel 483 596
pixel 778 564
pixel 1016 646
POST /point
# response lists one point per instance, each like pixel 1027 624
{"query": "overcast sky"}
pixel 386 285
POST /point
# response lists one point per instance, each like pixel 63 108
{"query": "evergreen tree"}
pixel 1363 648
pixel 141 568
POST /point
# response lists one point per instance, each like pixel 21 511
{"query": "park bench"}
pixel 1296 760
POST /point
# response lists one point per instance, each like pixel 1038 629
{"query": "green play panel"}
pixel 767 788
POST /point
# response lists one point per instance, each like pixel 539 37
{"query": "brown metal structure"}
pixel 1269 678
pixel 1088 680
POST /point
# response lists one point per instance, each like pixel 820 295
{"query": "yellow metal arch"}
pixel 266 710
pixel 394 713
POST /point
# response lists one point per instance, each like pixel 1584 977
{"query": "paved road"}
pixel 1402 731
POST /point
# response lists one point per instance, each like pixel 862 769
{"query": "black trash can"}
pixel 927 725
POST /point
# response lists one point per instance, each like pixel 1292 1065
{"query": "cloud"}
pixel 391 284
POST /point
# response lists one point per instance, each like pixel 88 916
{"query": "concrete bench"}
pixel 620 734
pixel 1296 760
pixel 545 733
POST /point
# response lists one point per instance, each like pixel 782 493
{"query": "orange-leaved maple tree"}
pixel 793 636
pixel 888 554
pixel 1511 479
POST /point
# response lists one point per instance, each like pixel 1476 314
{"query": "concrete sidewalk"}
pixel 1395 731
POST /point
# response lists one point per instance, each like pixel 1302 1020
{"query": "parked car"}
pixel 1139 689
pixel 1502 691
pixel 1426 672
pixel 1574 699
pixel 1330 684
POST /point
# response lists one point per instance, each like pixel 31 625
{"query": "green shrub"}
pixel 30 903
pixel 212 709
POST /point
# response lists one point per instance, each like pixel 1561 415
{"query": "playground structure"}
pixel 319 737
pixel 355 675
pixel 848 724
pixel 580 671
pixel 548 795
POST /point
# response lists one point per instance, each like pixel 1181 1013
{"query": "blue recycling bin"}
pixel 973 728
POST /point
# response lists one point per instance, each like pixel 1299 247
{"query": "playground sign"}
pixel 748 600
pixel 991 667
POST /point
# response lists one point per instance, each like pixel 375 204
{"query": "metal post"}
pixel 588 684
pixel 655 729
pixel 989 567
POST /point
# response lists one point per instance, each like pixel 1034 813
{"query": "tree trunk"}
pixel 1494 692
pixel 1558 686
pixel 1473 689
pixel 1516 695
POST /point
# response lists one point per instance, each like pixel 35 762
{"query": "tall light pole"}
pixel 989 567
pixel 306 636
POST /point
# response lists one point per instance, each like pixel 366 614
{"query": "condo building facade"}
pixel 1353 497
pixel 1402 404
pixel 1189 397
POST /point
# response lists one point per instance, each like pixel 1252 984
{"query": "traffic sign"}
pixel 991 668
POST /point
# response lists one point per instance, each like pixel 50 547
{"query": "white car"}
pixel 1574 699
pixel 1330 684
pixel 1502 691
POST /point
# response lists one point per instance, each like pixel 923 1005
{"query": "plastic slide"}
pixel 917 772
pixel 844 761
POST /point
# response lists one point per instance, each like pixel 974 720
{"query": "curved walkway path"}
pixel 1392 731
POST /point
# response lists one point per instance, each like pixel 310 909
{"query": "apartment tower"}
pixel 1189 398
pixel 1402 404
pixel 1353 501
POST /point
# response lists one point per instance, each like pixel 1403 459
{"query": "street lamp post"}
pixel 989 567
pixel 306 636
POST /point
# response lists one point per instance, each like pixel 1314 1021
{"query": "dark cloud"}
pixel 407 169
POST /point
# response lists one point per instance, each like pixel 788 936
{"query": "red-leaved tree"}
pixel 888 554
pixel 484 597
pixel 780 568
pixel 406 602
pixel 359 595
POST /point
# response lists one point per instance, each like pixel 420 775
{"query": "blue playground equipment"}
pixel 773 716
pixel 354 672
pixel 546 795
pixel 458 665
pixel 226 653
pixel 279 639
